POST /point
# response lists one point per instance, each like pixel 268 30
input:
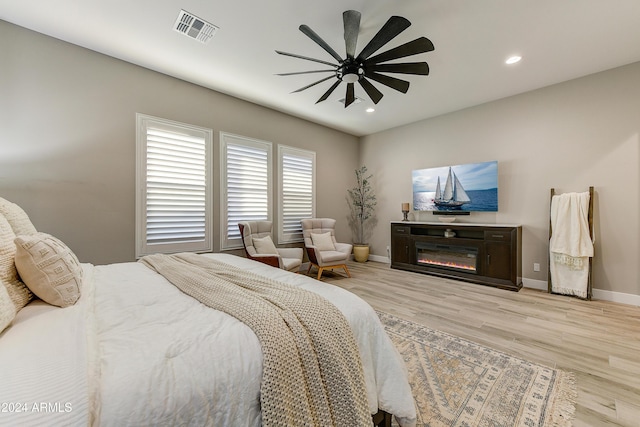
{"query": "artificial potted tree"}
pixel 362 203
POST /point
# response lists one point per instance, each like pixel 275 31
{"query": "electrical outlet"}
pixel 536 266
pixel 389 252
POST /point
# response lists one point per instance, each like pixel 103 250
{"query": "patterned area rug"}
pixel 457 382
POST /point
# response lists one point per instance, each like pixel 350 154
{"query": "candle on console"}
pixel 405 207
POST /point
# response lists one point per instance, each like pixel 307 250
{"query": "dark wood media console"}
pixel 487 254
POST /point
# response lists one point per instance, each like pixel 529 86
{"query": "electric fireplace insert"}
pixel 451 257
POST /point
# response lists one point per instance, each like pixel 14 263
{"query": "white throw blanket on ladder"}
pixel 571 245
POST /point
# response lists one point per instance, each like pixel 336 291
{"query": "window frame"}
pixel 231 243
pixel 294 152
pixel 143 247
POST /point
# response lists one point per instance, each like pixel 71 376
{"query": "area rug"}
pixel 456 382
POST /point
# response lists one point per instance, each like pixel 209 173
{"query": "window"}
pixel 296 191
pixel 246 185
pixel 173 197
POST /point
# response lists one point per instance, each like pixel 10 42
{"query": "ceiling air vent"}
pixel 194 27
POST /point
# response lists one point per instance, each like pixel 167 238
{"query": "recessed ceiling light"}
pixel 513 59
pixel 370 110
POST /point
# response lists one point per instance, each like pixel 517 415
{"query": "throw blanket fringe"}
pixel 312 373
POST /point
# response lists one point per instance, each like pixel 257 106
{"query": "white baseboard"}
pixel 379 258
pixel 599 294
pixel 620 297
pixel 541 285
pixel 534 284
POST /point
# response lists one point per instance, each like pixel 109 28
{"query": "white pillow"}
pixel 17 217
pixel 49 269
pixel 7 308
pixel 264 246
pixel 323 242
pixel 18 292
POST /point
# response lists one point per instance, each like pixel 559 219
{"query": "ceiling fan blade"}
pixel 293 55
pixel 421 68
pixel 351 20
pixel 313 84
pixel 371 90
pixel 351 96
pixel 306 72
pixel 394 26
pixel 414 47
pixel 327 93
pixel 316 38
pixel 392 82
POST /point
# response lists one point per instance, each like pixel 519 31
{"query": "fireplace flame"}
pixel 449 264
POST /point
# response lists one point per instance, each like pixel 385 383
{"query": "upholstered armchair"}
pixel 259 246
pixel 322 249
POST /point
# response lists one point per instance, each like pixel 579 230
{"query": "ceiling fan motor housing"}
pixel 350 71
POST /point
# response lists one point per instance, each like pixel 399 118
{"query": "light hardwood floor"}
pixel 597 340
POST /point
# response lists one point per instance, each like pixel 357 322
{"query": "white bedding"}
pixel 45 365
pixel 166 359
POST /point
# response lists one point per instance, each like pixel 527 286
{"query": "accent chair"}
pixel 259 246
pixel 322 249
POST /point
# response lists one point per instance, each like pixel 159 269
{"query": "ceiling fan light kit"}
pixel 363 67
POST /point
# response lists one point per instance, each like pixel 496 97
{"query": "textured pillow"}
pixel 7 308
pixel 49 268
pixel 264 246
pixel 323 242
pixel 18 219
pixel 17 291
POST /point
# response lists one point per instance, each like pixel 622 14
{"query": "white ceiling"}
pixel 558 39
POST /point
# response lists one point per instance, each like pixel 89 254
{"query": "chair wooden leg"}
pixel 346 270
pixel 331 267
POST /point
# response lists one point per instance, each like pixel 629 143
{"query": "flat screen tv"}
pixel 462 188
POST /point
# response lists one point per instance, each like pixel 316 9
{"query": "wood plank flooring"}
pixel 597 340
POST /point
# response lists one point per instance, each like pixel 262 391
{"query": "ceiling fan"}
pixel 359 68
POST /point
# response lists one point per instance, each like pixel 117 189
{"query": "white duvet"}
pixel 46 360
pixel 165 359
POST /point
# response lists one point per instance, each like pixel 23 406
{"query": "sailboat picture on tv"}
pixel 471 187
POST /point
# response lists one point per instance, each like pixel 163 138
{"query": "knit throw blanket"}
pixel 312 373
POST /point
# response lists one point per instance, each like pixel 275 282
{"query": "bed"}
pixel 135 350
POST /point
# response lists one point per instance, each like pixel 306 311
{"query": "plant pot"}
pixel 361 252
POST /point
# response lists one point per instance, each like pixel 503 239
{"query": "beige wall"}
pixel 569 136
pixel 67 140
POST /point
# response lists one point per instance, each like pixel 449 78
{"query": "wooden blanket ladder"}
pixel 590 274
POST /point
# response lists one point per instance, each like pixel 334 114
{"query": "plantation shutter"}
pixel 296 191
pixel 175 206
pixel 247 186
